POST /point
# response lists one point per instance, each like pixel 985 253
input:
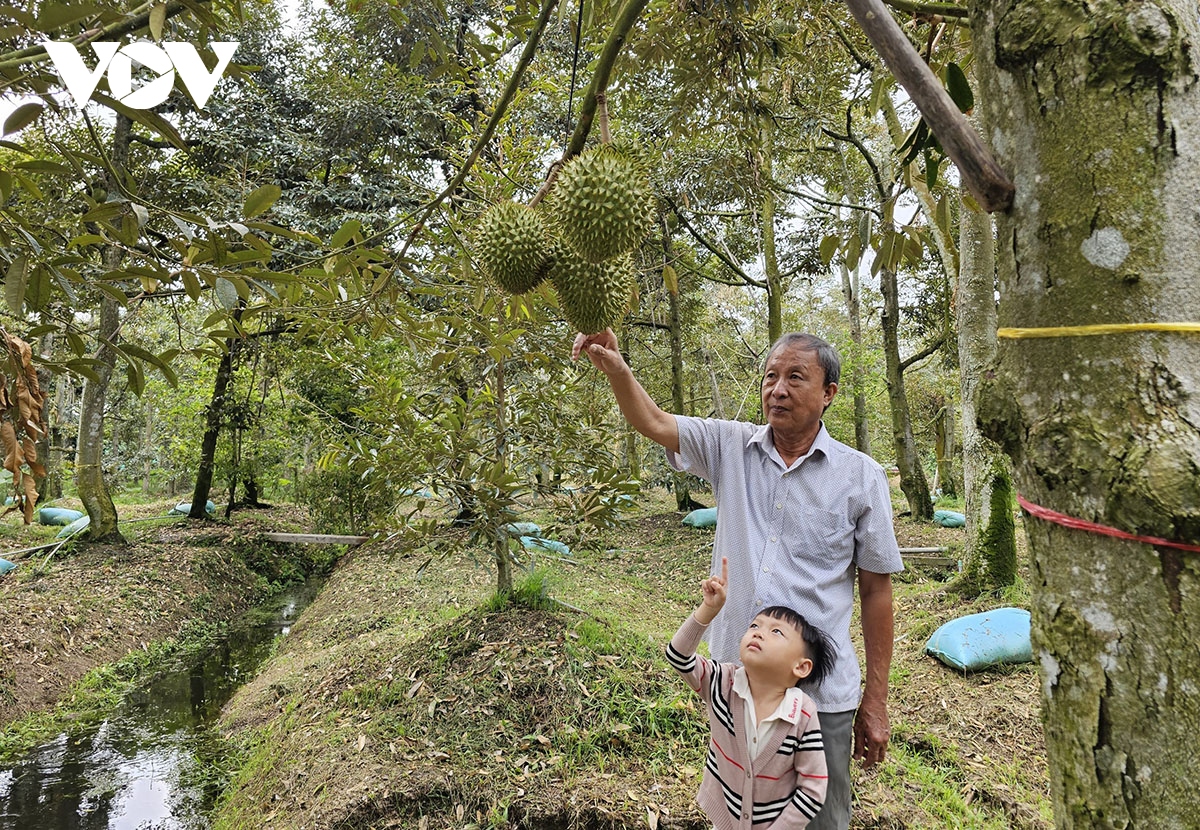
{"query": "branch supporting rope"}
pixel 1092 330
pixel 574 69
pixel 1053 516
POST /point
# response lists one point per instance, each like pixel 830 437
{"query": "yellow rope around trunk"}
pixel 1104 328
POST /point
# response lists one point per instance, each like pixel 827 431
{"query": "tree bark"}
pixel 913 483
pixel 212 427
pixel 679 481
pixel 89 472
pixel 990 550
pixel 1098 116
pixel 775 286
pixel 862 426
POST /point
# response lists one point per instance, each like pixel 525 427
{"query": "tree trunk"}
pixel 504 582
pixel 775 286
pixel 679 481
pixel 990 552
pixel 89 472
pixel 147 451
pixel 850 289
pixel 944 447
pixel 212 427
pixel 1098 117
pixel 912 477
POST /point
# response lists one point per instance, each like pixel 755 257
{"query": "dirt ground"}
pixel 361 720
pixel 94 604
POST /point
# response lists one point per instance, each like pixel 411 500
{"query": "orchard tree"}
pixel 1095 108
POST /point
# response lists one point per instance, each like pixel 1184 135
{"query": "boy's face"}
pixel 775 646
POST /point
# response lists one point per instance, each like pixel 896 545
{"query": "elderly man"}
pixel 801 516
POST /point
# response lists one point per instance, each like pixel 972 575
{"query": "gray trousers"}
pixel 837 733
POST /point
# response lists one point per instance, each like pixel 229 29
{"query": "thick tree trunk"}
pixel 913 483
pixel 990 553
pixel 1097 113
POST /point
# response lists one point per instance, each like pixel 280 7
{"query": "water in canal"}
pixel 144 767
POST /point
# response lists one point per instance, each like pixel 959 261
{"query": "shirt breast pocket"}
pixel 826 530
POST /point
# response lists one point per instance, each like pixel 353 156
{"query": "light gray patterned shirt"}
pixel 794 535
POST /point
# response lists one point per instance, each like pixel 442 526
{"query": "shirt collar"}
pixel 764 438
pixel 789 707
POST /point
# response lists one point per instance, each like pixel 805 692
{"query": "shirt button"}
pixel 774 539
pixel 766 570
pixel 758 602
pixel 778 506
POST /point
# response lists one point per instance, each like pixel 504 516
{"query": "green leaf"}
pixel 83 366
pixel 158 16
pixel 829 247
pixel 261 199
pixel 959 88
pixel 5 187
pixel 37 290
pixel 854 250
pixel 146 118
pixel 43 166
pixel 22 117
pixel 227 293
pixel 14 284
pixel 941 215
pixel 345 233
pixel 136 377
pixel 53 16
pixel 191 284
pixel 113 291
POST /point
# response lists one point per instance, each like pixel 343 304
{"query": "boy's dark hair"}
pixel 820 648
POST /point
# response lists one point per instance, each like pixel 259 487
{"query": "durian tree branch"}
pixel 929 10
pixel 983 176
pixel 489 130
pixel 745 278
pixel 808 197
pixel 139 20
pixel 623 25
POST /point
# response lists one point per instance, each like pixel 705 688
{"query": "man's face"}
pixel 774 645
pixel 794 392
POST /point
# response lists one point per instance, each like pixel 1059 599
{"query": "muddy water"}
pixel 147 766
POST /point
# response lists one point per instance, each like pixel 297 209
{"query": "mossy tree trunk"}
pixel 862 426
pixel 990 554
pixel 1096 112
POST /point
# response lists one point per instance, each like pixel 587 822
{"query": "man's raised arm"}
pixel 639 409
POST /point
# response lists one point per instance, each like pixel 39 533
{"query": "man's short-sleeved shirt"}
pixel 794 535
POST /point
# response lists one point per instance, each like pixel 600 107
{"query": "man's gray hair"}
pixel 827 355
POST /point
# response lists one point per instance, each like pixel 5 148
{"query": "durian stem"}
pixel 602 117
pixel 548 184
pixel 623 25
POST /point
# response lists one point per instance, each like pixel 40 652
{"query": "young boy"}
pixel 766 762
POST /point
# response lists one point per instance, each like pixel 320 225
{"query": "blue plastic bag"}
pixel 185 507
pixel 977 641
pixel 6 566
pixel 704 517
pixel 57 515
pixel 536 544
pixel 74 527
pixel 522 529
pixel 949 518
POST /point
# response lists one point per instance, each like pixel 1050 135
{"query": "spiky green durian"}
pixel 592 295
pixel 512 246
pixel 602 204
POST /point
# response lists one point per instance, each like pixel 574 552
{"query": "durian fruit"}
pixel 593 295
pixel 602 203
pixel 512 246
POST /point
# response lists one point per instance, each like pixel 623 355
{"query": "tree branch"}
pixel 493 123
pixel 850 138
pixel 925 352
pixel 745 278
pixel 929 10
pixel 986 180
pixel 604 65
pixel 113 31
pixel 810 198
